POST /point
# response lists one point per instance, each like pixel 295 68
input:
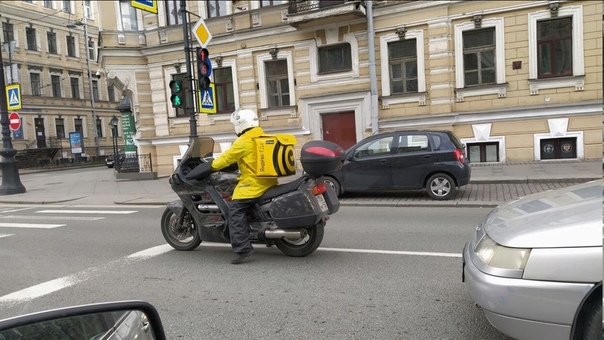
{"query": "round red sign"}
pixel 14 121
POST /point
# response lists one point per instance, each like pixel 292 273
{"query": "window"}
pixel 75 88
pixel 111 93
pixel 60 128
pixel 78 127
pixel 412 143
pixel 52 42
pixel 95 90
pixel 554 47
pixel 483 152
pixel 266 3
pixel 479 56
pixel 71 46
pixel 335 58
pixel 376 147
pixel 66 6
pixel 128 15
pixel 216 8
pixel 223 82
pixel 559 148
pixel 173 15
pixel 55 82
pixel 403 66
pixel 277 83
pixel 36 86
pixel 99 127
pixel 48 3
pixel 30 34
pixel 88 9
pixel 7 32
pixel 91 50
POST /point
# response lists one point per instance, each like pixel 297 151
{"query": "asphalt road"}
pixel 381 273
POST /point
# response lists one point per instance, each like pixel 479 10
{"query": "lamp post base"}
pixel 11 184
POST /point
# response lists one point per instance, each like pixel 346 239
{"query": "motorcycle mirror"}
pixel 126 319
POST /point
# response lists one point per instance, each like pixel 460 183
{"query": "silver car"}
pixel 534 265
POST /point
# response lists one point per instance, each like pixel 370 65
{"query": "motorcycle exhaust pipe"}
pixel 293 234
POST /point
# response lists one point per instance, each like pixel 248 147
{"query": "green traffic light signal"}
pixel 178 94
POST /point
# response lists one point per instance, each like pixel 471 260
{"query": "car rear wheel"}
pixel 441 187
pixel 334 184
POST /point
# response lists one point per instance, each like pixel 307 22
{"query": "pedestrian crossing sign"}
pixel 207 98
pixel 13 97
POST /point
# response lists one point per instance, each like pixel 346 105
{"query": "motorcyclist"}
pixel 249 187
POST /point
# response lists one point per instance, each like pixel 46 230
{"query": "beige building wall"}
pixel 517 112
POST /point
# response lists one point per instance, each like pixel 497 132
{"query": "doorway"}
pixel 340 128
pixel 40 132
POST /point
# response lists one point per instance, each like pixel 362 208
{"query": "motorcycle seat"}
pixel 281 189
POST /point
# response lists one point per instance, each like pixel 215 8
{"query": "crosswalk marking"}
pixel 32 226
pixel 113 212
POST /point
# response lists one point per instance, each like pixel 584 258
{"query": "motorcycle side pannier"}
pixel 320 157
pixel 295 210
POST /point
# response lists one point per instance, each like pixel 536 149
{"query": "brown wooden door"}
pixel 339 128
pixel 40 132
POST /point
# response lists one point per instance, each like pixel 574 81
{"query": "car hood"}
pixel 567 217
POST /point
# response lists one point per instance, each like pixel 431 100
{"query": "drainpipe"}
pixel 372 71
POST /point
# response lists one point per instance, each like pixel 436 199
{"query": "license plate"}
pixel 322 203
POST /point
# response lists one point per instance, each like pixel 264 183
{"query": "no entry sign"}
pixel 14 121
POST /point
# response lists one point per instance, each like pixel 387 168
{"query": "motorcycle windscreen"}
pixel 200 147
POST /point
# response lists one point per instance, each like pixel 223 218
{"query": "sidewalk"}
pixel 491 185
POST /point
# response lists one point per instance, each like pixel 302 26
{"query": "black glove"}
pixel 200 172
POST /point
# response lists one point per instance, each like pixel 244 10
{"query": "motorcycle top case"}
pixel 295 210
pixel 320 157
pixel 275 155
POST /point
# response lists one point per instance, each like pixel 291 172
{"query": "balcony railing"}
pixel 311 5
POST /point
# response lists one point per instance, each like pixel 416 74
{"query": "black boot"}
pixel 242 256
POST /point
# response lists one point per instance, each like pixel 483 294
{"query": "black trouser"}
pixel 238 225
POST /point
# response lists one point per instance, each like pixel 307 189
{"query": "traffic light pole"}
pixel 11 184
pixel 185 34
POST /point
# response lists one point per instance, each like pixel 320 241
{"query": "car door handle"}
pixel 427 156
pixel 383 161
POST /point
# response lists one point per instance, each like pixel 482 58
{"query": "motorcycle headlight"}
pixel 495 255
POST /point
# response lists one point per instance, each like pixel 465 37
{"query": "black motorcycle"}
pixel 291 216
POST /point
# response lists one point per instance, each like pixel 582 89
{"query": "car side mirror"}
pixel 126 319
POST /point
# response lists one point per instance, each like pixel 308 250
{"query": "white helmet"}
pixel 243 120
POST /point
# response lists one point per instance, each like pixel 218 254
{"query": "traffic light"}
pixel 178 94
pixel 204 68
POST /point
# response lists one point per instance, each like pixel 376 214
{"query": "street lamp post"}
pixel 113 124
pixel 11 184
pixel 96 133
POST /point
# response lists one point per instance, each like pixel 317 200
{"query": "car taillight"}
pixel 318 189
pixel 459 155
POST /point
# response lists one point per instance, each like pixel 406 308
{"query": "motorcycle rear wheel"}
pixel 181 236
pixel 304 246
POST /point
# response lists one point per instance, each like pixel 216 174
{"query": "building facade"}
pixel 516 81
pixel 51 59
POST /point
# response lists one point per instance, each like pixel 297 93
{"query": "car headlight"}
pixel 495 255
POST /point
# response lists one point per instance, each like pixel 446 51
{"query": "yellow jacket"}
pixel 243 151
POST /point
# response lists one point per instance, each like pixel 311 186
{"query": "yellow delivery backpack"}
pixel 275 155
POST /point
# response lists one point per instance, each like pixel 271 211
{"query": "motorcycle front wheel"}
pixel 181 236
pixel 303 246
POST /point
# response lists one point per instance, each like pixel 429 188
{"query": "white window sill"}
pixel 281 111
pixel 499 89
pixel 578 82
pixel 420 98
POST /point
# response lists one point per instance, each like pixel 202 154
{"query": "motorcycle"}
pixel 291 216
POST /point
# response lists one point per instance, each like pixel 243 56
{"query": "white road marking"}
pixel 61 218
pixel 68 281
pixel 114 212
pixel 119 206
pixel 9 210
pixel 6 235
pixel 30 225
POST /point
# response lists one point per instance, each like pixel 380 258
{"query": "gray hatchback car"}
pixel 404 160
pixel 534 265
